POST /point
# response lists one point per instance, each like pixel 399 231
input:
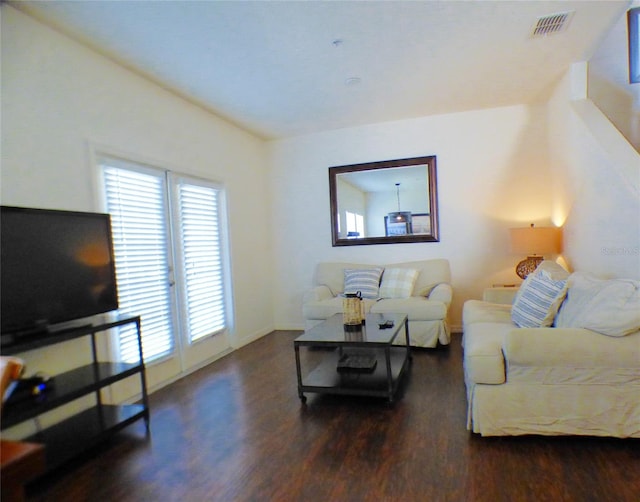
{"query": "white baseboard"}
pixel 291 327
pixel 455 328
pixel 237 342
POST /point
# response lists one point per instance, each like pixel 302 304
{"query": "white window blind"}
pixel 138 208
pixel 201 257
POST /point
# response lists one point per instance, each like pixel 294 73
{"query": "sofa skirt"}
pixel 426 334
pixel 589 410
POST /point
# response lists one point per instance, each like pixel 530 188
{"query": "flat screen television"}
pixel 55 266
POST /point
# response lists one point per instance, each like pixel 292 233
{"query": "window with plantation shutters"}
pixel 168 244
pixel 137 203
pixel 201 259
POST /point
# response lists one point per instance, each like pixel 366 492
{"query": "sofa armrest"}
pixel 570 347
pixel 317 294
pixel 443 292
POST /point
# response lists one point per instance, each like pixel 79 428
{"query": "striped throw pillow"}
pixel 538 301
pixel 398 282
pixel 365 280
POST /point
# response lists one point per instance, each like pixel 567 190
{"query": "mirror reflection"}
pixel 384 202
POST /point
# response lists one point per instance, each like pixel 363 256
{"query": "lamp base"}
pixel 528 265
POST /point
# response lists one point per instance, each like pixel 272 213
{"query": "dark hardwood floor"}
pixel 236 431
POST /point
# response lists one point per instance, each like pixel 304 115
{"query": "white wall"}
pixel 59 98
pixel 492 173
pixel 596 176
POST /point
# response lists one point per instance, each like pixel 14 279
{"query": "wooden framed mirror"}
pixel 387 202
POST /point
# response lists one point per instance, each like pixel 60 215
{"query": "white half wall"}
pixel 609 86
pixel 492 174
pixel 596 174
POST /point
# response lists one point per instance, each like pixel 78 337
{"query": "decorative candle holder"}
pixel 355 333
pixel 352 310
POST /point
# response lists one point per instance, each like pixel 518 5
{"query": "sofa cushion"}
pixel 431 273
pixel 474 311
pixel 610 307
pixel 538 300
pixel 331 274
pixel 363 280
pixel 483 359
pixel 578 356
pixel 417 308
pixel 398 282
pixel 326 308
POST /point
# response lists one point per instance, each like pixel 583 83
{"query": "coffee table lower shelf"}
pixel 325 378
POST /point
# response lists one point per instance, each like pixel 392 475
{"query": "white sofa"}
pixel 569 378
pixel 427 305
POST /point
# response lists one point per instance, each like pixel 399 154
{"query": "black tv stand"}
pixel 9 338
pixel 35 332
pixel 93 425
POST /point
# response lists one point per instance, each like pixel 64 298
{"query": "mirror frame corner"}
pixel 432 192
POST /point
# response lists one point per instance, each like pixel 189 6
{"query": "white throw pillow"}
pixel 365 280
pixel 610 307
pixel 398 282
pixel 538 300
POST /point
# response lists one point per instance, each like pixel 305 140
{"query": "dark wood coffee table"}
pixel 383 381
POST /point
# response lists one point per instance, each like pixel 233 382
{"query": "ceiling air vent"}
pixel 553 23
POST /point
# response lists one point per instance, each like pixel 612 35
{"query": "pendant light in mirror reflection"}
pixel 398 222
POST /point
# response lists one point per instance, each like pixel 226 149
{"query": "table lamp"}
pixel 534 242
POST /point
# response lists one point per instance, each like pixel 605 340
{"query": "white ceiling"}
pixel 273 68
pixel 384 180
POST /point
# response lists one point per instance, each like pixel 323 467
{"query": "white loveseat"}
pixel 569 378
pixel 426 304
